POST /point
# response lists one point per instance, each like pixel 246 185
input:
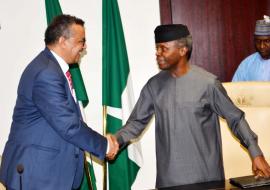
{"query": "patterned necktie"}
pixel 68 75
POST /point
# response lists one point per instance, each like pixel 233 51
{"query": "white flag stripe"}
pixel 127 98
pixel 82 110
pixel 134 150
pixel 135 153
pixel 115 112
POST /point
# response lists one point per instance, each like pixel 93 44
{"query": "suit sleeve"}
pixel 50 96
pixel 224 107
pixel 139 118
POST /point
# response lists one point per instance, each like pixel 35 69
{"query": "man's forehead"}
pixel 169 43
pixel 265 37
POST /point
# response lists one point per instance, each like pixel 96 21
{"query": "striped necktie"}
pixel 68 75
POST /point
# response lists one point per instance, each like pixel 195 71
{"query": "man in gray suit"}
pixel 186 101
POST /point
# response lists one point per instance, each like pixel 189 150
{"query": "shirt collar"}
pixel 64 66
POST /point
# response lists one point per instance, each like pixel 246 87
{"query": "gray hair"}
pixel 187 42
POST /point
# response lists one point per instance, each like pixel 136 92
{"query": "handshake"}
pixel 113 147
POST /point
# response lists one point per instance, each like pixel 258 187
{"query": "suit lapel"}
pixel 51 58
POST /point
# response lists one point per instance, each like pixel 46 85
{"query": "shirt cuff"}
pixel 108 147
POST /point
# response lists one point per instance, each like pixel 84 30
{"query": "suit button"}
pixel 76 155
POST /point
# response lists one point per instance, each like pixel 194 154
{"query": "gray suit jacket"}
pixel 188 139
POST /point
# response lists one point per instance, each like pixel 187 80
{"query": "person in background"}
pixel 48 136
pixel 186 101
pixel 256 67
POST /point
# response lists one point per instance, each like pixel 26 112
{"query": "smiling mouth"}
pixel 82 53
pixel 161 62
pixel 263 52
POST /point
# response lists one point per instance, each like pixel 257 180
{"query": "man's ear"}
pixel 183 51
pixel 61 41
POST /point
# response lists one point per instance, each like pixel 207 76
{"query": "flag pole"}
pixel 104 116
pixel 86 169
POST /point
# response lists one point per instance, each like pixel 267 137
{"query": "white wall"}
pixel 21 38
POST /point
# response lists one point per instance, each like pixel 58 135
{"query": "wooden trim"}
pixel 165 11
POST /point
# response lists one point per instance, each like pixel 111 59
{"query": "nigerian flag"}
pixel 117 95
pixel 53 9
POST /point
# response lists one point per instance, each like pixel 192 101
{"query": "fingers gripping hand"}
pixel 113 147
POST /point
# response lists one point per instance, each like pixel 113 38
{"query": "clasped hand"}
pixel 113 147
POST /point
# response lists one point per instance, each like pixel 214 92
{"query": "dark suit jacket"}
pixel 47 134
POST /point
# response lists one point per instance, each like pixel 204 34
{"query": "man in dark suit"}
pixel 48 136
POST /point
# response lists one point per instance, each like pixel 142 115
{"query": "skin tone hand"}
pixel 260 167
pixel 113 147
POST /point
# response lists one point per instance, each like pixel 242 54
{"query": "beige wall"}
pixel 253 99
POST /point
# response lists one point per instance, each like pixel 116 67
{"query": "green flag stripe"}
pixel 122 171
pixel 84 185
pixel 115 68
pixel 115 59
pixel 121 176
pixel 77 80
pixel 53 9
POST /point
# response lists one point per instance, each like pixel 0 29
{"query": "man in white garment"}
pixel 256 67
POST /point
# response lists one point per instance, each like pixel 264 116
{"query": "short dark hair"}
pixel 60 27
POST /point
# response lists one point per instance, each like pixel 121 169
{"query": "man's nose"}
pixel 158 52
pixel 261 45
